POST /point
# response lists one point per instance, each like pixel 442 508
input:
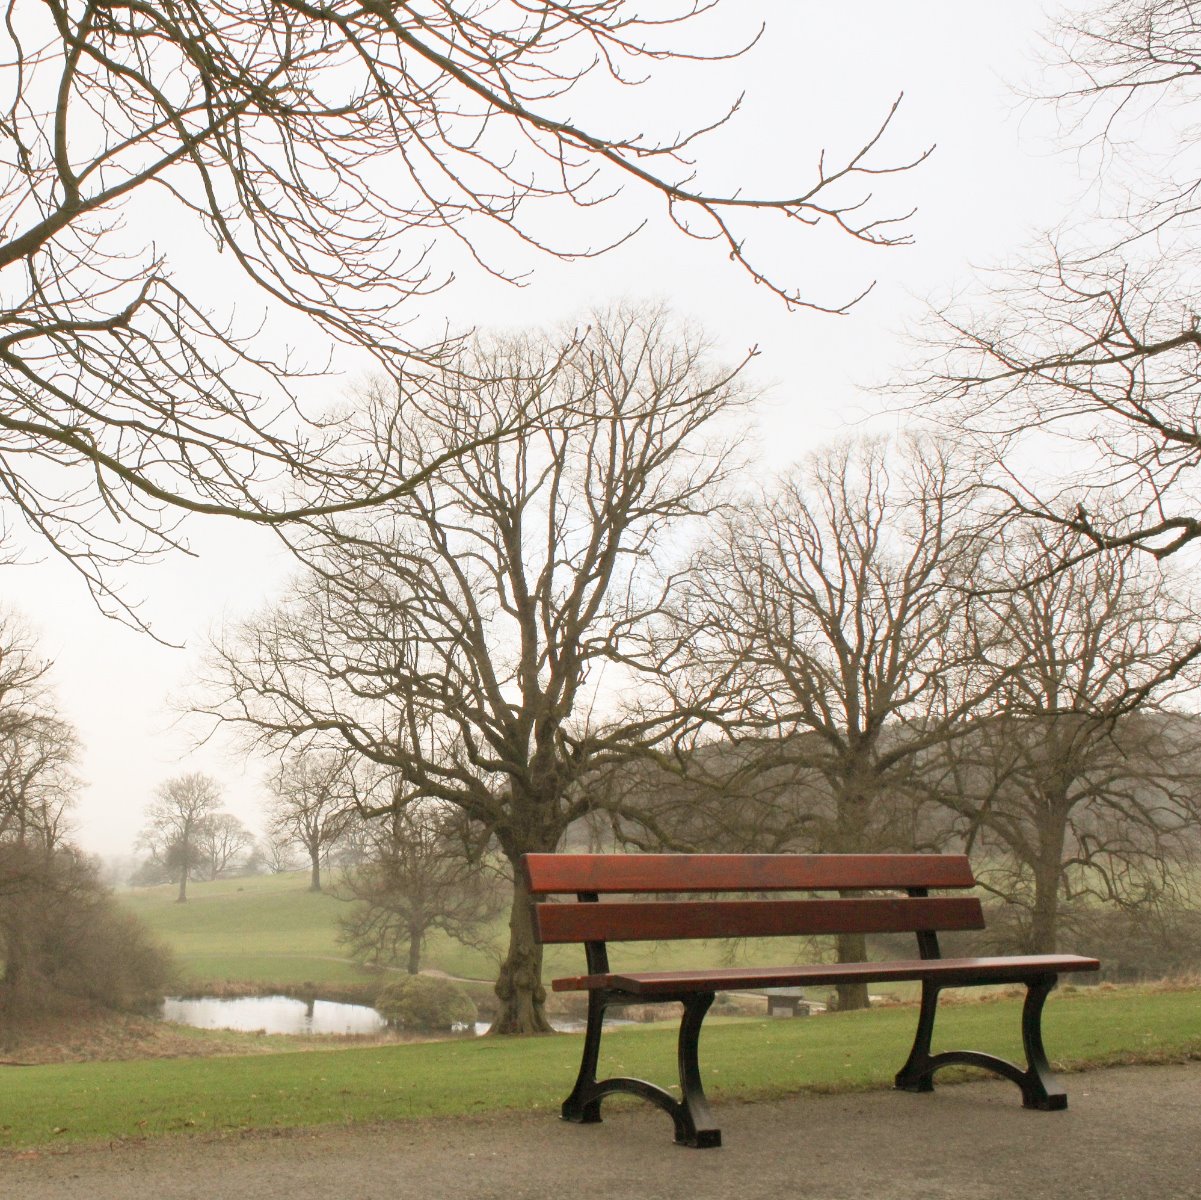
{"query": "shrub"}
pixel 114 960
pixel 63 936
pixel 426 1003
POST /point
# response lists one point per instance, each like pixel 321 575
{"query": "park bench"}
pixel 701 878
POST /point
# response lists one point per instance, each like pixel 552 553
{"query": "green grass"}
pixel 741 1060
pixel 270 929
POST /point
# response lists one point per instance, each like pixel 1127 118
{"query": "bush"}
pixel 63 937
pixel 1134 944
pixel 111 958
pixel 426 1003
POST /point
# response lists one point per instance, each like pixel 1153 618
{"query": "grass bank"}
pixel 268 930
pixel 742 1059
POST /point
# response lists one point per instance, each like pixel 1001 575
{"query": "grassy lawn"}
pixel 742 1059
pixel 269 929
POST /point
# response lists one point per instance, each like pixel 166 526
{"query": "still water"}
pixel 282 1014
pixel 273 1014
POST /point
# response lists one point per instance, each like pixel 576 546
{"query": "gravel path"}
pixel 1133 1133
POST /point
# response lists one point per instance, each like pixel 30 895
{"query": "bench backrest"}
pixel 590 920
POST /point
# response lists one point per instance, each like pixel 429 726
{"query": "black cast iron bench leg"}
pixel 1040 1089
pixel 693 1122
pixel 582 1106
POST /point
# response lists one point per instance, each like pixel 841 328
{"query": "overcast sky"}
pixel 824 75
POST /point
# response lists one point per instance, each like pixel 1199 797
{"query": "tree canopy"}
pixel 485 637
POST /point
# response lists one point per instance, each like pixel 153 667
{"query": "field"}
pixel 264 930
pixel 744 1059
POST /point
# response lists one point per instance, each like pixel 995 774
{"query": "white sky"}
pixel 825 74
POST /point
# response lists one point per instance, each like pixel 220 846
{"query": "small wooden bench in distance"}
pixel 594 922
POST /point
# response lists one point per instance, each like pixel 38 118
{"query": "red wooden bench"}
pixel 595 922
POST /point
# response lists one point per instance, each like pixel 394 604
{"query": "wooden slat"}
pixel 950 971
pixel 655 920
pixel 548 874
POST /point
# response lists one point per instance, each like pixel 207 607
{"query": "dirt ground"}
pixel 1130 1134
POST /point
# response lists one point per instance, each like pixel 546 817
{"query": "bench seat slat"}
pixel 947 971
pixel 657 920
pixel 548 874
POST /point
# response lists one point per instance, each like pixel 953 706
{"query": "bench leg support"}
pixel 694 1122
pixel 583 1105
pixel 1040 1089
pixel 690 1115
pixel 916 1075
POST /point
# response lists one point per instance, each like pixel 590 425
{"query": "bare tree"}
pixel 175 824
pixel 1079 786
pixel 62 937
pixel 340 158
pixel 37 780
pixel 418 877
pixel 1094 347
pixel 221 838
pixel 315 793
pixel 833 612
pixel 484 638
pixel 37 747
pixel 278 852
pixel 1098 360
pixel 1124 75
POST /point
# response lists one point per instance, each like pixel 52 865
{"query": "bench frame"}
pixel 696 990
pixel 694 1124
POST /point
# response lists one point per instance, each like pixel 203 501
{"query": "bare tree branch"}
pixel 340 159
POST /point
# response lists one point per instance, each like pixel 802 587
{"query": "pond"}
pixel 282 1014
pixel 273 1014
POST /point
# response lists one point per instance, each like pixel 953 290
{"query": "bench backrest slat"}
pixel 548 874
pixel 631 921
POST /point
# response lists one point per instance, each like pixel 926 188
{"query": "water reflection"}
pixel 282 1014
pixel 273 1014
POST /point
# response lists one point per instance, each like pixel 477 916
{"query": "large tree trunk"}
pixel 183 884
pixel 315 873
pixel 1044 920
pixel 852 947
pixel 519 985
pixel 414 951
pixel 854 806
